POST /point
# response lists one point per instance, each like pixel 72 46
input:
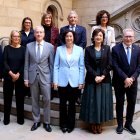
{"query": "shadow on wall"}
pixel 4 41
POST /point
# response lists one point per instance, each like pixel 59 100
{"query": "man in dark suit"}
pixel 38 70
pixel 81 39
pixel 126 69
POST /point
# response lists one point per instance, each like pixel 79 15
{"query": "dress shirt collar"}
pixel 41 43
pixel 125 46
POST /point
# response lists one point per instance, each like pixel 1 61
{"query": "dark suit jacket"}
pixel 81 39
pixel 121 68
pixel 91 66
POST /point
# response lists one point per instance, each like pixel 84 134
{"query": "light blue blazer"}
pixel 73 71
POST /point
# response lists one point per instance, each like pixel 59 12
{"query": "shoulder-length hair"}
pixel 64 36
pixel 23 21
pixel 95 32
pixel 99 17
pixel 11 35
pixel 43 19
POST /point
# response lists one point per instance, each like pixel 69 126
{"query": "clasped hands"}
pixel 128 82
pixel 14 76
pixel 98 79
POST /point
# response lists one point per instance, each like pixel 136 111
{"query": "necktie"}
pixel 128 55
pixel 38 53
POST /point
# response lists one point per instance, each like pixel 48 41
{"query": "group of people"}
pixel 42 60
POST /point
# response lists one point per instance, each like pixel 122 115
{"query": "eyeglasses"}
pixel 104 16
pixel 15 36
pixel 128 36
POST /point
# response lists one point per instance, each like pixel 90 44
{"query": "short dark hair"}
pixel 99 17
pixel 65 33
pixel 23 21
pixel 95 32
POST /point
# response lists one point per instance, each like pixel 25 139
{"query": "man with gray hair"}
pixel 126 69
pixel 38 69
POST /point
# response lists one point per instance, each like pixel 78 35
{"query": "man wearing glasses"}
pixel 126 69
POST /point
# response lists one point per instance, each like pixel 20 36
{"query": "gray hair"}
pixel 128 30
pixel 40 27
pixel 72 12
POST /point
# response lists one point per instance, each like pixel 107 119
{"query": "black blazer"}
pixel 81 39
pixel 91 66
pixel 121 68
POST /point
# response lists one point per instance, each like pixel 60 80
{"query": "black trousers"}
pixel 131 94
pixel 67 111
pixel 8 88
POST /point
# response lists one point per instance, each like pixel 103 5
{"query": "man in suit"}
pixel 81 39
pixel 38 71
pixel 126 69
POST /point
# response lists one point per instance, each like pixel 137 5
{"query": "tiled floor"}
pixel 13 131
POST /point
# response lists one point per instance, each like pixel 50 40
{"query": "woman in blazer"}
pixel 68 78
pixel 97 102
pixel 102 22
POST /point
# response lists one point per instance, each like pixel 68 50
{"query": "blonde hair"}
pixel 11 35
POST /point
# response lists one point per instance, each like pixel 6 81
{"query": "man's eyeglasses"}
pixel 128 36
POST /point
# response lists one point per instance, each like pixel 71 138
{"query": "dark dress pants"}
pixel 131 94
pixel 8 88
pixel 67 111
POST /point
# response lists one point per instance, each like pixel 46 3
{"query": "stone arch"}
pixel 55 8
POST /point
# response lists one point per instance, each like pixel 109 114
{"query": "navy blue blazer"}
pixel 121 68
pixel 81 39
pixel 27 39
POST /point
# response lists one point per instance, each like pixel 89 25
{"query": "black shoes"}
pixel 130 129
pixel 6 122
pixel 69 130
pixel 47 127
pixel 63 129
pixel 35 126
pixel 119 129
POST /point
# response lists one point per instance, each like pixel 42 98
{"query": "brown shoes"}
pixel 96 128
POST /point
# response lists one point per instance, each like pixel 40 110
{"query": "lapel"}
pixel 45 50
pixel 132 55
pixel 72 55
pixel 33 50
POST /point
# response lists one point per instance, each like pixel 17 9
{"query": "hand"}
pixel 80 86
pixel 99 79
pixel 55 86
pixel 26 83
pixel 128 82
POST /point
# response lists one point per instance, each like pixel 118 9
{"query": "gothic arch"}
pixel 55 8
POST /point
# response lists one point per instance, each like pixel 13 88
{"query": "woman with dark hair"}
pixel 68 77
pixel 97 102
pixel 27 32
pixel 51 32
pixel 102 22
pixel 27 36
pixel 13 57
